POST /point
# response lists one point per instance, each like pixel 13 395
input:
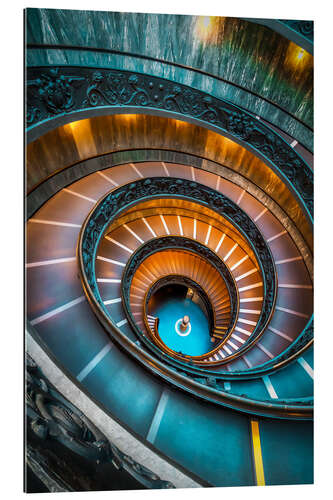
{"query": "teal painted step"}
pixel 287 451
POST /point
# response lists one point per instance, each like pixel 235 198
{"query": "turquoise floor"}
pixel 169 312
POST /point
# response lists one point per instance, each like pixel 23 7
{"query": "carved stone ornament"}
pixel 118 200
pixel 66 89
pixel 52 417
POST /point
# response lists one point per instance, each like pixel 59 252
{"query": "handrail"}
pixel 169 63
pixel 51 94
pixel 115 202
pixel 160 342
pixel 186 245
pixel 201 383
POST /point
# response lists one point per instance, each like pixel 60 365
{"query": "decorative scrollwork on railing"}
pixel 189 283
pixel 185 244
pixel 51 92
pixel 305 28
pixel 295 348
pixel 52 418
pixel 125 196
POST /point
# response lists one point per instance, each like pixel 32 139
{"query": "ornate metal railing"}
pixel 53 419
pixel 189 283
pixel 115 202
pixel 196 380
pixel 304 28
pixel 236 86
pixel 53 92
pixel 186 245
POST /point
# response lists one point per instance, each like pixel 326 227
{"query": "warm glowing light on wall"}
pixel 206 29
pixel 127 116
pixel 74 125
pixel 297 58
pixel 300 54
pixel 83 137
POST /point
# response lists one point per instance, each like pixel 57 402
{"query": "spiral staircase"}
pixel 118 206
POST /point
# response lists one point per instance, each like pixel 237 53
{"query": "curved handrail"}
pixel 119 90
pixel 186 245
pixel 39 46
pixel 207 386
pixel 162 345
pixel 118 200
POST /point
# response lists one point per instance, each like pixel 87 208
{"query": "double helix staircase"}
pixel 62 318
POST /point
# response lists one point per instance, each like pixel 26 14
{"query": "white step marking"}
pixel 165 169
pixel 247 321
pixel 281 334
pixel 222 354
pixel 216 357
pixel 79 195
pixel 111 261
pixel 155 424
pixel 58 310
pixel 194 229
pixel 293 144
pixel 234 346
pixel 291 259
pixel 246 274
pixel 291 311
pixel 239 263
pixel 220 243
pixel 148 226
pixel 108 178
pixel 164 224
pixel 54 223
pixel 133 233
pixel 249 311
pixel 260 214
pixel 192 174
pixel 240 197
pixel 208 234
pixel 119 244
pixel 248 363
pixel 227 386
pixel 231 251
pixel 217 183
pixel 136 296
pixel 242 341
pixel 272 238
pixel 306 366
pixel 108 280
pixel 112 301
pixel 266 351
pixel 241 330
pixel 180 225
pixel 49 262
pixel 136 170
pixel 250 287
pixel 227 349
pixel 289 285
pixel 121 323
pixel 252 299
pixel 269 387
pixel 94 362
